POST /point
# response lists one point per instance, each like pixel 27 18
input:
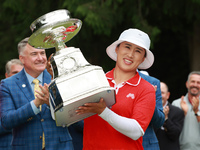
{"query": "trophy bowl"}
pixel 54 29
pixel 75 81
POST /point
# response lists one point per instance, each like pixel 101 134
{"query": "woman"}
pixel 123 126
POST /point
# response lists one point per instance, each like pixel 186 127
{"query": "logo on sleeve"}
pixel 131 95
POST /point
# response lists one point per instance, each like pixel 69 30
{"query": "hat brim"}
pixel 148 61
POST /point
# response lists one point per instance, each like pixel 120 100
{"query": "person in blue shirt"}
pixel 150 141
pixel 20 109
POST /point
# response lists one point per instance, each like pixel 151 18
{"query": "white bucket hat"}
pixel 136 37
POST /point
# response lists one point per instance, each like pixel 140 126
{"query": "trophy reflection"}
pixel 75 81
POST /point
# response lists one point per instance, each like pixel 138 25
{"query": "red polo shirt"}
pixel 136 100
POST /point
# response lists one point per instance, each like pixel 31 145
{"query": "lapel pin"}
pixel 23 85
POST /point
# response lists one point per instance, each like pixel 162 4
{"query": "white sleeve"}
pixel 126 126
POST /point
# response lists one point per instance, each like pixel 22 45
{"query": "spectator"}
pixel 26 110
pixel 12 67
pixel 168 134
pixel 190 135
pixel 150 141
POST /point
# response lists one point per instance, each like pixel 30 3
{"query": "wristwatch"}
pixel 197 114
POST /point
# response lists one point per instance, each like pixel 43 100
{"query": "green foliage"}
pixel 100 15
pixel 169 24
pixel 15 19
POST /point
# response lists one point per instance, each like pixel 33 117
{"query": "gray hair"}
pixel 21 45
pixel 193 72
pixel 12 62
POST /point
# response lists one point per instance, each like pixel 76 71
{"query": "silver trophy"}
pixel 75 81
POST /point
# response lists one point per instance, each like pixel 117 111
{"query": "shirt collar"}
pixel 165 104
pixel 30 78
pixel 134 81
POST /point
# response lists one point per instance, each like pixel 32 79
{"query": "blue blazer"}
pixel 150 141
pixel 5 139
pixel 17 114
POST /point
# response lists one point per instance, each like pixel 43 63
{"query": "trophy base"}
pixel 66 115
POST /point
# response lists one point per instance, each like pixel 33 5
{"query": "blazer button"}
pixel 42 120
pixel 29 119
pixel 40 137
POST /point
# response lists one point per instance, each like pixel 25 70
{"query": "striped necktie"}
pixel 36 87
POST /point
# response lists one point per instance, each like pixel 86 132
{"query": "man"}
pixel 150 141
pixel 190 135
pixel 12 67
pixel 168 134
pixel 26 110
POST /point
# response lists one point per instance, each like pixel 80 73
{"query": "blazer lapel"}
pixel 24 86
pixel 47 80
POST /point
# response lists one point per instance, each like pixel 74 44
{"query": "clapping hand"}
pixel 184 106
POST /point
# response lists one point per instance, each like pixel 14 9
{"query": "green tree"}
pixel 173 26
pixel 15 19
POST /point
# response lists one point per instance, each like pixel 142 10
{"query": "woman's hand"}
pixel 97 108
